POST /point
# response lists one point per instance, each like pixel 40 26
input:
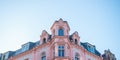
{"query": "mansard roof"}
pixel 91 48
pixel 7 55
pixel 25 47
pixel 86 44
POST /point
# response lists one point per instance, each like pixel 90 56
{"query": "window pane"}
pixel 59 47
pixel 61 51
pixel 61 32
pixel 62 47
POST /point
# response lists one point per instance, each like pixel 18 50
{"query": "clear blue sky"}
pixel 97 21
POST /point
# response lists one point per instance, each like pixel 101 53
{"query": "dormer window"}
pixel 61 32
pixel 44 40
pixel 91 49
pixel 76 42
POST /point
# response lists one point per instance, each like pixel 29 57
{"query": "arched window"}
pixel 61 51
pixel 76 42
pixel 61 32
pixel 77 56
pixel 44 40
pixel 43 56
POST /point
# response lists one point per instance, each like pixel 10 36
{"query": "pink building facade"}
pixel 59 45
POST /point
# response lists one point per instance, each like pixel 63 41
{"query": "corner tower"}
pixel 60 38
pixel 60 28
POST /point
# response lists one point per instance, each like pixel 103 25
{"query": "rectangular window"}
pixel 61 51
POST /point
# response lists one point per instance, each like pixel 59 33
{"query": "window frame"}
pixel 61 50
pixel 61 32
